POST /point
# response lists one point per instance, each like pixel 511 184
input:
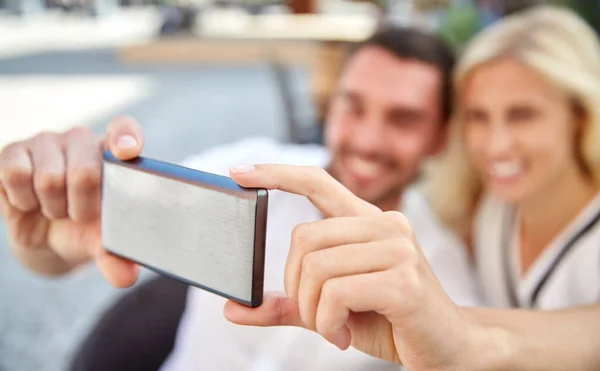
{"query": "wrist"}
pixel 490 346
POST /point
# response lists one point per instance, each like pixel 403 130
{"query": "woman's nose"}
pixel 500 140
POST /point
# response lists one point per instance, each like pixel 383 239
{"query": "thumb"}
pixel 276 310
pixel 124 138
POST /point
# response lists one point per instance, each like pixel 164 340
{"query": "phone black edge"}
pixel 260 234
pixel 181 173
pixel 217 182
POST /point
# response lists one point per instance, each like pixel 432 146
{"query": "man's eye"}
pixel 353 109
pixel 405 120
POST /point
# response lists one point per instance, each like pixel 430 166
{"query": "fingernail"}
pixel 240 169
pixel 127 142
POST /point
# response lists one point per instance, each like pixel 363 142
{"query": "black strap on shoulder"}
pixel 568 247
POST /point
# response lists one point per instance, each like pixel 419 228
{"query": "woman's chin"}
pixel 510 195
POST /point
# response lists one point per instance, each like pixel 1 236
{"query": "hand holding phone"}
pixel 50 199
pixel 50 188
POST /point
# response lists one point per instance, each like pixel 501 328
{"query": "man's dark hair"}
pixel 411 43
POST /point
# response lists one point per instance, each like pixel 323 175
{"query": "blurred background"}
pixel 195 73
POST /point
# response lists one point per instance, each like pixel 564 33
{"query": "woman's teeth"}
pixel 507 169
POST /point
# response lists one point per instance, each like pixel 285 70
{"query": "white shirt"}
pixel 566 274
pixel 207 341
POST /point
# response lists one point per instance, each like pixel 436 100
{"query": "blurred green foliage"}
pixel 461 22
pixel 587 9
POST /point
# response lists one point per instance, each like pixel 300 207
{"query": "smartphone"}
pixel 200 228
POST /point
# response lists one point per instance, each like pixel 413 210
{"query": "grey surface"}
pixel 42 321
pixel 203 235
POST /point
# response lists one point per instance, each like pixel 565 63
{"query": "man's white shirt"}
pixel 207 341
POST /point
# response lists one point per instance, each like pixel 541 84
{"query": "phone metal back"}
pixel 200 228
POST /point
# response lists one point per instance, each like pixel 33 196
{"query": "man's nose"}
pixel 370 137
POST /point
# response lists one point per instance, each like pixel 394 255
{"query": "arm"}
pixel 358 277
pixel 566 339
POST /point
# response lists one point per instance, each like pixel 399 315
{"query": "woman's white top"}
pixel 566 274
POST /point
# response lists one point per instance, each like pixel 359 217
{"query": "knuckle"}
pixel 50 183
pixel 409 281
pixel 43 137
pixel 314 264
pixel 9 148
pixel 16 176
pixel 319 176
pixel 85 179
pixel 301 235
pixel 50 214
pixel 404 251
pixel 79 132
pixel 332 290
pixel 398 221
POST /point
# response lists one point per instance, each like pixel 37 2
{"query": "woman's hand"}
pixel 359 278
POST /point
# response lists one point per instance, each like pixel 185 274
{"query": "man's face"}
pixel 384 119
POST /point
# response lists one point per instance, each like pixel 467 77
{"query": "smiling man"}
pixel 388 114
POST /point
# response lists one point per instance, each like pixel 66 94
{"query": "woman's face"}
pixel 519 130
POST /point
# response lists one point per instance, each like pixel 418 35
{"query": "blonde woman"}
pixel 523 170
pixel 521 176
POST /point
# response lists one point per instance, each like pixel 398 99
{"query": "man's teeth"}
pixel 365 167
pixel 507 169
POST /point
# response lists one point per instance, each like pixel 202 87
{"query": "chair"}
pixel 138 332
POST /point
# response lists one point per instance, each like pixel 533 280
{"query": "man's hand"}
pixel 50 189
pixel 359 278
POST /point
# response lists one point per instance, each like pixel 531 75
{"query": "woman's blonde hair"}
pixel 561 48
